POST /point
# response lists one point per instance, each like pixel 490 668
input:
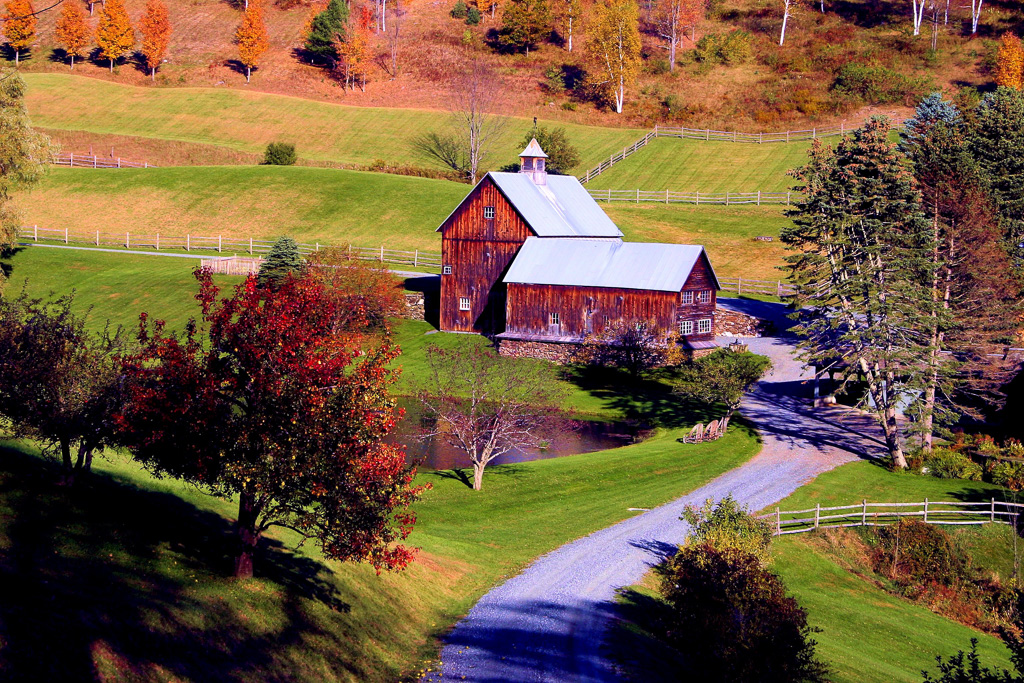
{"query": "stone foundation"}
pixel 556 352
pixel 734 324
pixel 415 307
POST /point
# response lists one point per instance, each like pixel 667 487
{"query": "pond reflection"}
pixel 578 436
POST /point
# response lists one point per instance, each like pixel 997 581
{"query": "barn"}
pixel 532 260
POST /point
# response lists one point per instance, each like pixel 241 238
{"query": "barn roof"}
pixel 560 208
pixel 606 263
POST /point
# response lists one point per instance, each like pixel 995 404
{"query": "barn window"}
pixel 704 296
pixel 685 327
pixel 463 303
pixel 687 297
pixel 447 270
pixel 704 326
pixel 553 317
pixel 488 212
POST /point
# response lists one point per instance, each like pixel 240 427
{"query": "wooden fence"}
pixel 669 197
pixel 233 265
pixel 221 244
pixel 93 161
pixel 742 285
pixel 709 135
pixel 880 514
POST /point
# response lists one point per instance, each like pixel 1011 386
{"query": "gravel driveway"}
pixel 548 623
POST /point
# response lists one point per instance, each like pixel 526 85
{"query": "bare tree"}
pixel 975 15
pixel 476 94
pixel 485 405
pixel 442 148
pixel 670 26
pixel 917 10
pixel 788 10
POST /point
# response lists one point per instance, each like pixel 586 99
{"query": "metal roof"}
pixel 605 263
pixel 533 150
pixel 560 208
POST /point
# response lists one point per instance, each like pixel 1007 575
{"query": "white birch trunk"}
pixel 975 15
pixel 785 19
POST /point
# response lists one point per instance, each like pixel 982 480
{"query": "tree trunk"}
pixel 152 74
pixel 478 476
pixel 245 530
pixel 72 62
pixel 248 72
pixel 785 18
pixel 16 52
pixel 111 65
pixel 672 52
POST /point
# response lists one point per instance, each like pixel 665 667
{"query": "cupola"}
pixel 531 162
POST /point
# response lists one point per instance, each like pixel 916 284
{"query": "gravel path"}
pixel 548 623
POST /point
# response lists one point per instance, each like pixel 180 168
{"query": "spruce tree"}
pixel 283 259
pixel 325 29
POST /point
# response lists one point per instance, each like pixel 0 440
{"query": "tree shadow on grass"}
pixel 465 474
pixel 635 640
pixel 108 580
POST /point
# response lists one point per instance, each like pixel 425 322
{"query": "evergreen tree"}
pixel 325 30
pixel 863 267
pixel 523 24
pixel 284 259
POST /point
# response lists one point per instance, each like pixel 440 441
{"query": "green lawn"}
pixel 247 121
pixel 697 166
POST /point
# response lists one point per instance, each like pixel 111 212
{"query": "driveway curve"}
pixel 549 622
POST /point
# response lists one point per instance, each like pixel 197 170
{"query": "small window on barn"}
pixel 447 270
pixel 463 303
pixel 687 297
pixel 685 327
pixel 704 296
pixel 554 319
pixel 704 326
pixel 488 212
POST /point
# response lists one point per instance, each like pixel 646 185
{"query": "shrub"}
pixel 878 85
pixel 473 16
pixel 554 79
pixel 913 552
pixel 280 154
pixel 569 106
pixel 728 525
pixel 735 47
pixel 733 616
pixel 1008 473
pixel 459 11
pixel 946 464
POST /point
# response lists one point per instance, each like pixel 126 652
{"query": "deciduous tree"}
pixel 634 345
pixel 353 50
pixel 282 409
pixel 252 37
pixel 789 8
pixel 71 31
pixel 563 156
pixel 114 34
pixel 19 25
pixel 523 24
pixel 1010 62
pixel 693 12
pixel 569 14
pixel 722 377
pixel 486 405
pixel 670 19
pixel 156 34
pixel 614 45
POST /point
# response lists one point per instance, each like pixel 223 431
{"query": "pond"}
pixel 580 436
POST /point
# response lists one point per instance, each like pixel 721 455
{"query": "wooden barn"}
pixel 533 260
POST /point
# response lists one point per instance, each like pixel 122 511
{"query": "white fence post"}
pixel 759 197
pixel 72 160
pixel 993 514
pixel 158 241
pixel 127 240
pixel 65 235
pixel 97 238
pixel 739 286
pixel 250 246
pixel 188 242
pixel 817 514
pixel 864 513
pixel 925 509
pixel 35 233
pixel 220 244
pixel 382 253
pixel 638 195
pixel 778 521
pixel 415 257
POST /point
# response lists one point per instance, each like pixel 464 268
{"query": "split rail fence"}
pixel 709 135
pixel 220 244
pixel 881 514
pixel 742 285
pixel 669 197
pixel 93 161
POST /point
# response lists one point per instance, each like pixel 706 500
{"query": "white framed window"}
pixel 447 270
pixel 463 303
pixel 488 212
pixel 554 318
pixel 687 297
pixel 704 296
pixel 685 327
pixel 704 326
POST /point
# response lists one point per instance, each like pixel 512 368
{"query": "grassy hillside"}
pixel 338 207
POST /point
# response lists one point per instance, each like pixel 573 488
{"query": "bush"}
pixel 460 10
pixel 569 106
pixel 554 79
pixel 280 154
pixel 733 617
pixel 947 464
pixel 473 16
pixel 912 552
pixel 876 84
pixel 729 525
pixel 1008 473
pixel 735 47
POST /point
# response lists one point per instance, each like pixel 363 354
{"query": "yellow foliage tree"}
pixel 156 34
pixel 114 35
pixel 1010 63
pixel 19 25
pixel 71 31
pixel 614 46
pixel 252 37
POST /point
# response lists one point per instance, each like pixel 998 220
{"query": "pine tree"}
pixel 252 37
pixel 19 26
pixel 523 24
pixel 615 47
pixel 114 35
pixel 283 260
pixel 326 29
pixel 156 34
pixel 71 31
pixel 1010 62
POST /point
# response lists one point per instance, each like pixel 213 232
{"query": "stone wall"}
pixel 415 308
pixel 734 324
pixel 557 352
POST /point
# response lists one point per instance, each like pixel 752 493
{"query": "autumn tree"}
pixel 156 34
pixel 252 37
pixel 789 8
pixel 523 24
pixel 368 295
pixel 569 15
pixel 486 406
pixel 19 25
pixel 634 345
pixel 693 11
pixel 114 34
pixel 59 384
pixel 353 49
pixel 1010 62
pixel 71 31
pixel 614 46
pixel 670 20
pixel 277 406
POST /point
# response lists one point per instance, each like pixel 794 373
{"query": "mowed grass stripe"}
pixel 248 121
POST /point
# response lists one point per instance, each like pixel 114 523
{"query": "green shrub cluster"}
pixel 913 552
pixel 473 16
pixel 728 525
pixel 946 463
pixel 735 47
pixel 280 154
pixel 1007 473
pixel 877 84
pixel 459 11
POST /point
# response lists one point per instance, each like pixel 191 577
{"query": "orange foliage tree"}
pixel 72 33
pixel 114 35
pixel 354 51
pixel 252 37
pixel 1010 63
pixel 156 34
pixel 19 25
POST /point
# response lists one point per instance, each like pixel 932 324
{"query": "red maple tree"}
pixel 276 403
